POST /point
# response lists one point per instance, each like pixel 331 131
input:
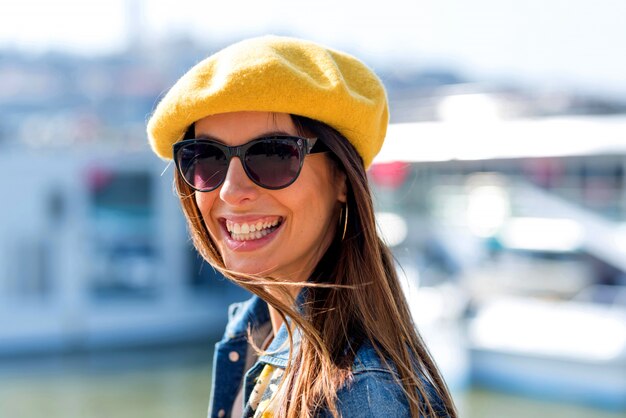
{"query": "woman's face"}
pixel 278 233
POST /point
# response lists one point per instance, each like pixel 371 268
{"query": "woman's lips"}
pixel 250 234
pixel 250 230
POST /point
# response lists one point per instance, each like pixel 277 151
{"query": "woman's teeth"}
pixel 252 230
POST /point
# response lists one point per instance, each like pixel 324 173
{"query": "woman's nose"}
pixel 237 187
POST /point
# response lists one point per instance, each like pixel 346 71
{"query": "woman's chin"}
pixel 250 269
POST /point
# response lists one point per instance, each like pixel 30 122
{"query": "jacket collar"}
pixel 277 354
pixel 255 313
pixel 252 312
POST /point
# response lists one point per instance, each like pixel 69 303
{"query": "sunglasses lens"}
pixel 273 163
pixel 204 166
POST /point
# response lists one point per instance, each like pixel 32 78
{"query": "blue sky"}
pixel 573 43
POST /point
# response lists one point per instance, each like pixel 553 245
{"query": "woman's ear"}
pixel 341 185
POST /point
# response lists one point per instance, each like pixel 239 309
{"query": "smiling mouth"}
pixel 248 231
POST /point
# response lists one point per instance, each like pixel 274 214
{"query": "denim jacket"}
pixel 373 391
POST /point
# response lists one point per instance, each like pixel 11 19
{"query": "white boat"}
pixel 572 351
pixel 550 188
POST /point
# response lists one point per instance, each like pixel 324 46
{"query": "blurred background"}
pixel 501 190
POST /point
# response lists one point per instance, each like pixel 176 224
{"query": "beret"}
pixel 277 74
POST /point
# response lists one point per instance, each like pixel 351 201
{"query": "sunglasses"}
pixel 272 162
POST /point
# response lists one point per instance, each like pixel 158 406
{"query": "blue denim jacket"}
pixel 373 392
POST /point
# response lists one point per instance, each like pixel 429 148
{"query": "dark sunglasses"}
pixel 272 162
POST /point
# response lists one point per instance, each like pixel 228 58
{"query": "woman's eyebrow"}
pixel 205 136
pixel 273 133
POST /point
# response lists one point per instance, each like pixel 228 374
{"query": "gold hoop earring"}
pixel 345 221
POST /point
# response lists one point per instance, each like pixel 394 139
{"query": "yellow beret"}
pixel 277 74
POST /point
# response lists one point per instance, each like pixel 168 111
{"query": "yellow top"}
pixel 260 402
pixel 277 74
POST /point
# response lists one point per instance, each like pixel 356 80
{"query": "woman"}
pixel 271 138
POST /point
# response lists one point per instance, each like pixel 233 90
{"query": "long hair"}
pixel 352 296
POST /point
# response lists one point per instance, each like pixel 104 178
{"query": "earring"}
pixel 345 220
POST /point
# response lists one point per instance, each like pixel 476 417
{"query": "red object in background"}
pixel 98 178
pixel 544 172
pixel 391 175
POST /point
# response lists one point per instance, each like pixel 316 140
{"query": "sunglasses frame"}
pixel 303 145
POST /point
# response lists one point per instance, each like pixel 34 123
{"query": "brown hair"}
pixel 352 296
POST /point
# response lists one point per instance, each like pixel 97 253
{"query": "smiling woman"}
pixel 271 138
pixel 296 223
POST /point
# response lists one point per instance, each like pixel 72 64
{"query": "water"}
pixel 171 382
pixel 175 382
